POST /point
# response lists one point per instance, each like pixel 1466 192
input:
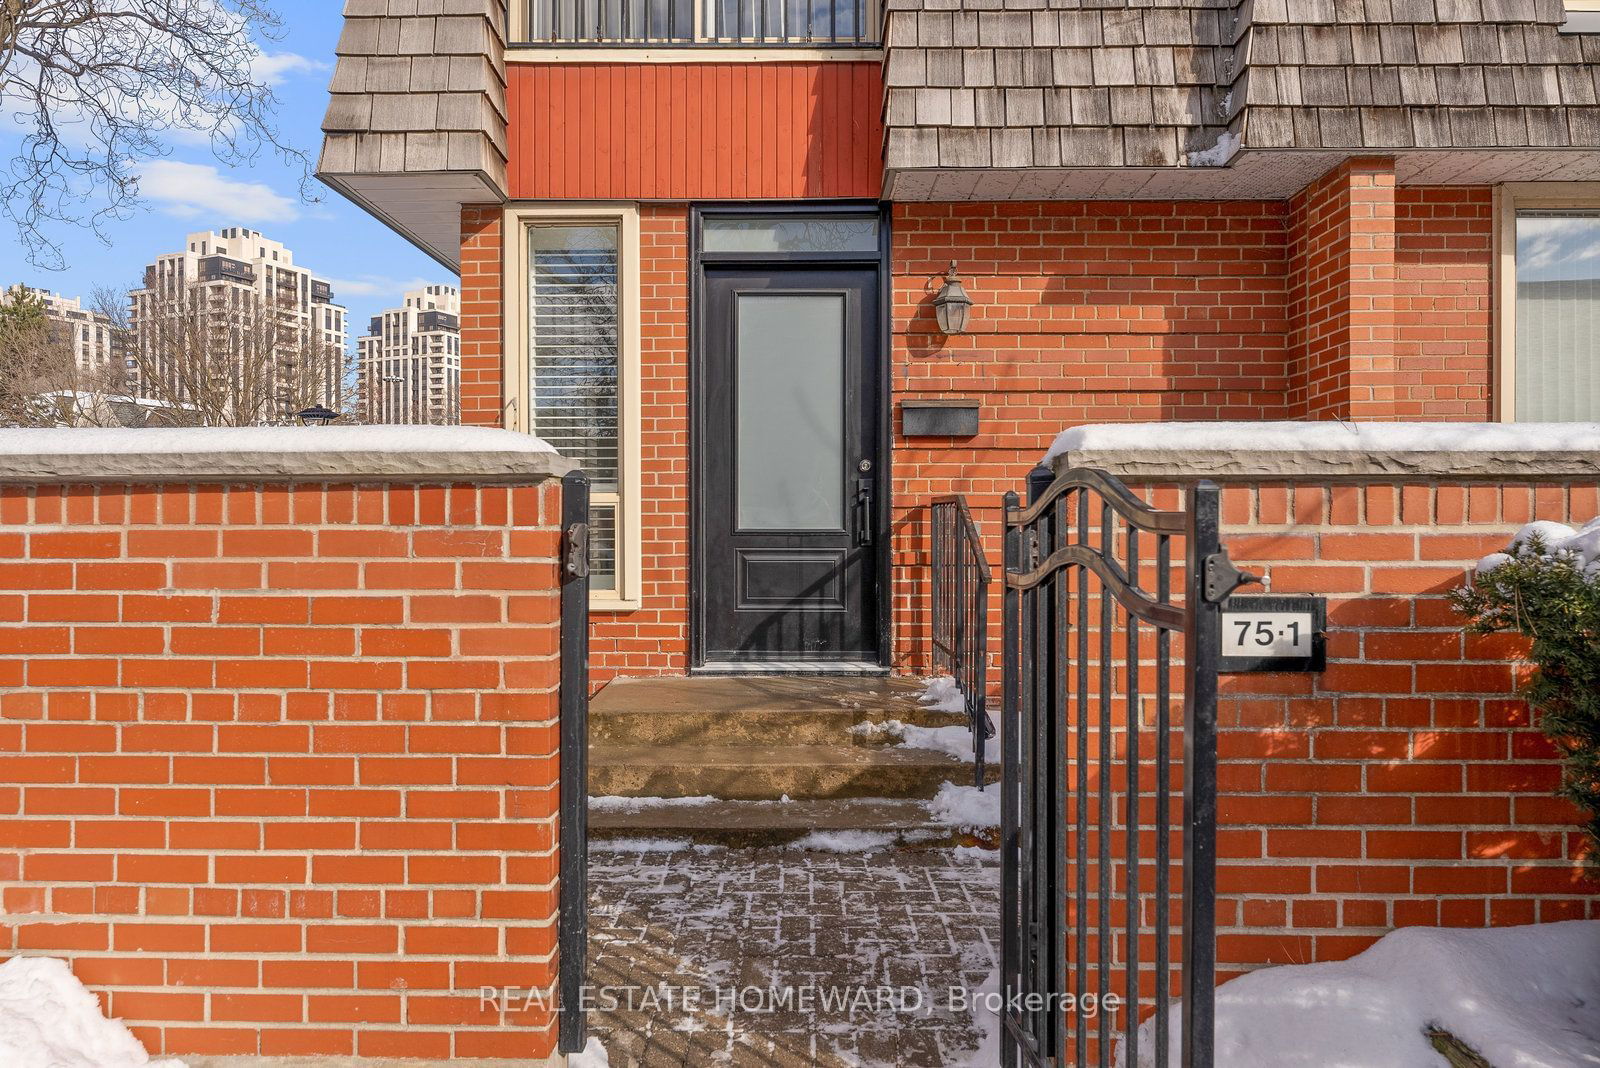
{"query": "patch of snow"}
pixel 1492 561
pixel 986 1019
pixel 1218 154
pixel 966 808
pixel 285 440
pixel 651 845
pixel 1332 436
pixel 593 1056
pixel 845 841
pixel 943 694
pixel 639 804
pixel 1581 546
pixel 953 741
pixel 975 855
pixel 1522 997
pixel 50 1020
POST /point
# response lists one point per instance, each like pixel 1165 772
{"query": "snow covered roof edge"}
pixel 1331 449
pixel 227 454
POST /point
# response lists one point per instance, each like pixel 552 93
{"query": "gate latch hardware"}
pixel 1222 578
pixel 575 551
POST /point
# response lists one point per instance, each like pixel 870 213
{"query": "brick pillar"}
pixel 1342 282
pixel 482 321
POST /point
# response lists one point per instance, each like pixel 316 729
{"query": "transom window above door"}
pixel 748 23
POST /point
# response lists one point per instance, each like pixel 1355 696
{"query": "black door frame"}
pixel 882 506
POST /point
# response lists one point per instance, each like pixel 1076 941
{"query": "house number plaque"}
pixel 1263 633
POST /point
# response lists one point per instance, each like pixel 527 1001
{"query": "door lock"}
pixel 864 466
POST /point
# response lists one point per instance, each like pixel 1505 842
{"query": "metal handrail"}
pixel 960 616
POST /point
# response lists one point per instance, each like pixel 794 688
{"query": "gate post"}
pixel 1202 647
pixel 573 931
pixel 1010 676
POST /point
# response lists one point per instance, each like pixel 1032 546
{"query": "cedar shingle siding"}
pixel 420 86
pixel 1033 99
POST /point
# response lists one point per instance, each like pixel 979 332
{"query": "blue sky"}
pixel 369 265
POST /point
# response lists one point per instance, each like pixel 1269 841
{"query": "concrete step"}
pixel 761 726
pixel 735 695
pixel 745 824
pixel 769 772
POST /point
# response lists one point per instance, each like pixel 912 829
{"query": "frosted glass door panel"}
pixel 789 382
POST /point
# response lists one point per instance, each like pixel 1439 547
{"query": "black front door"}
pixel 790 465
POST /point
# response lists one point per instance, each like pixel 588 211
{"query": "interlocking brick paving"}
pixel 875 940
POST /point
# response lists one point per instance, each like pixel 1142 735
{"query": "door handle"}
pixel 863 511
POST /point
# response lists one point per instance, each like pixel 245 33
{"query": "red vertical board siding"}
pixel 684 131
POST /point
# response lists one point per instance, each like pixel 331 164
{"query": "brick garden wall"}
pixel 280 762
pixel 1404 785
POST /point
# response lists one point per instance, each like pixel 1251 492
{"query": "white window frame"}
pixel 519 217
pixel 1508 200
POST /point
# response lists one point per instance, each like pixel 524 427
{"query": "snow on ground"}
pixel 1582 546
pixel 974 855
pixel 1522 997
pixel 943 694
pixel 86 441
pixel 967 808
pixel 954 741
pixel 50 1020
pixel 986 1019
pixel 1332 436
pixel 650 845
pixel 593 1056
pixel 845 841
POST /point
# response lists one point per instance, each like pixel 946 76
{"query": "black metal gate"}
pixel 572 934
pixel 1099 589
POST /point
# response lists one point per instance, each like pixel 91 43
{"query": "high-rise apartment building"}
pixel 410 360
pixel 91 337
pixel 236 291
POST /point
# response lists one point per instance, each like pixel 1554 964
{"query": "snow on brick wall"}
pixel 279 759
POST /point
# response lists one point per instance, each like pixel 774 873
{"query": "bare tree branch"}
pixel 99 86
pixel 230 356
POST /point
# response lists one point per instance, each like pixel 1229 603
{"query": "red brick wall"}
pixel 280 770
pixel 1342 293
pixel 482 337
pixel 1084 312
pixel 1405 784
pixel 1443 302
pixel 654 640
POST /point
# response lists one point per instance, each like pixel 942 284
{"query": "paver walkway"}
pixel 711 956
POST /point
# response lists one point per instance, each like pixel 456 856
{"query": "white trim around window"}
pixel 519 219
pixel 1509 199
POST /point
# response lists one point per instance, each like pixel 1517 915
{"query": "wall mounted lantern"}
pixel 317 415
pixel 951 305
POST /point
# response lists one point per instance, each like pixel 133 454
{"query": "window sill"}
pixel 542 53
pixel 613 604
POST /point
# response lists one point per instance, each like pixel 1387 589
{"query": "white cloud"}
pixel 190 189
pixel 273 68
pixel 374 285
